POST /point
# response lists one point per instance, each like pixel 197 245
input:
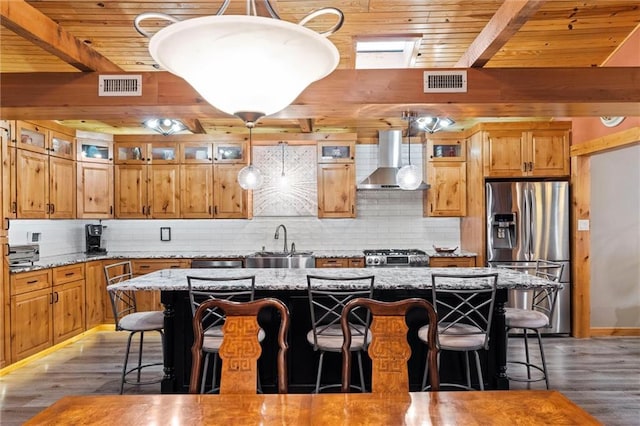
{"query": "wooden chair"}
pixel 237 289
pixel 389 350
pixel 240 347
pixel 127 318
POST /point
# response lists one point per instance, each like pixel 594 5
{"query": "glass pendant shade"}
pixel 244 63
pixel 408 177
pixel 250 177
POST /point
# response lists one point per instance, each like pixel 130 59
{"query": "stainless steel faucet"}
pixel 277 235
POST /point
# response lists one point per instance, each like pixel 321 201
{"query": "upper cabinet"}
pixel 526 152
pixel 446 173
pixel 230 152
pixel 336 152
pixel 157 177
pixel 94 179
pixel 336 179
pixel 44 173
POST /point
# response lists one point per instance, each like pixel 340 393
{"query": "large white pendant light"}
pixel 408 177
pixel 244 63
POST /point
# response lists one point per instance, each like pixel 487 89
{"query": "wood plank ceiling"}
pixel 91 35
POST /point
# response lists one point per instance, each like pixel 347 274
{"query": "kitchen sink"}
pixel 279 259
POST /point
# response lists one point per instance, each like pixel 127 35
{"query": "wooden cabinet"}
pixel 526 153
pixel 336 191
pixel 340 262
pixel 209 185
pixel 131 191
pixel 68 301
pixel 94 187
pixel 147 191
pixel 31 313
pixel 62 181
pixel 47 307
pixel 230 201
pixel 452 262
pixel 44 173
pixel 94 179
pixel 150 300
pixel 448 193
pixel 336 180
pixel 196 194
pixel 32 184
pixel 163 191
pixel 446 173
pixel 147 180
pixel 96 300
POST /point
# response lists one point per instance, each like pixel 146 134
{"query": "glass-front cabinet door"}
pixel 230 152
pixel 31 137
pixel 62 145
pixel 446 150
pixel 95 151
pixel 336 152
pixel 164 152
pixel 196 152
pixel 131 153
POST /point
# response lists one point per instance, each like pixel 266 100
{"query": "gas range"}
pixel 389 258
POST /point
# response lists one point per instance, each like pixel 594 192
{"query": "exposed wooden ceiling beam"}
pixel 29 23
pixel 507 20
pixel 194 125
pixel 306 125
pixel 492 92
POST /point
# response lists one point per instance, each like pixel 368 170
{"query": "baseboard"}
pixel 18 364
pixel 615 331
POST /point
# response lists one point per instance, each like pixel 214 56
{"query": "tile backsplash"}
pixel 385 219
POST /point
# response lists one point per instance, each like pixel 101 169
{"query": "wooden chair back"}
pixel 389 349
pixel 240 347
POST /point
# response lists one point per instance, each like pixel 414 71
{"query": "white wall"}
pixel 615 238
pixel 385 219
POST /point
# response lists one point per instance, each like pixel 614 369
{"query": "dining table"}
pixel 531 407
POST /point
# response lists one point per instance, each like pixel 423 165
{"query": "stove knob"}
pixel 376 260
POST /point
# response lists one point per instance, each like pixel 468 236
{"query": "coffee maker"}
pixel 93 236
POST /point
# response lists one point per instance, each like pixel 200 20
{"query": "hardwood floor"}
pixel 602 375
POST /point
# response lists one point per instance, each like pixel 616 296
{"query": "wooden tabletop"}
pixel 468 408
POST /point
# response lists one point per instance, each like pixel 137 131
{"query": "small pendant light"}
pixel 250 177
pixel 408 177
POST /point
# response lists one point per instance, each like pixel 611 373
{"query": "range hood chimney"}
pixel 389 158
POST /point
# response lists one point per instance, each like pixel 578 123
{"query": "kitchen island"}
pixel 290 285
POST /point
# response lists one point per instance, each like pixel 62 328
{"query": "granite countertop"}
pixel 296 279
pixel 69 259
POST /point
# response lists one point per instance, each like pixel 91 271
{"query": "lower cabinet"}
pixel 47 307
pixel 452 262
pixel 97 304
pixel 340 262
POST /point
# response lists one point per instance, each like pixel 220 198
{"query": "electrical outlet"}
pixel 583 225
pixel 33 237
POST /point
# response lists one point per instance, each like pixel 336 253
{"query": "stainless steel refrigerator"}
pixel 529 220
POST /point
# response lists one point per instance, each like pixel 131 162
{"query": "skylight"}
pixel 376 54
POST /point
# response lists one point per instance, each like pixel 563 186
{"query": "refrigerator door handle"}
pixel 526 228
pixel 530 211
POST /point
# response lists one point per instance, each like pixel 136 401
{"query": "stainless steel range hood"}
pixel 389 158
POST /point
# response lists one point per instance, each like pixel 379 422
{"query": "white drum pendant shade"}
pixel 244 63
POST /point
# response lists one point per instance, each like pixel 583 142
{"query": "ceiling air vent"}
pixel 120 85
pixel 445 81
